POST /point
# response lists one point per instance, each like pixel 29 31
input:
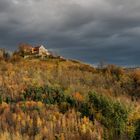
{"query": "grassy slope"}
pixel 77 79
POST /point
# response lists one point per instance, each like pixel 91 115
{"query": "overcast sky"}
pixel 88 30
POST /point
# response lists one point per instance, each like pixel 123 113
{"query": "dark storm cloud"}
pixel 88 30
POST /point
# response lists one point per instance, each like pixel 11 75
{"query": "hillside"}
pixel 59 99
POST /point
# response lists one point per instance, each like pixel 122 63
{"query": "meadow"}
pixel 60 99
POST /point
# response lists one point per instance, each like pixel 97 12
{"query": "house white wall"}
pixel 43 51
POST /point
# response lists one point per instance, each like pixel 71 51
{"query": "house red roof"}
pixel 36 48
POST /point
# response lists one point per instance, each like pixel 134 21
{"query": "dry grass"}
pixel 17 75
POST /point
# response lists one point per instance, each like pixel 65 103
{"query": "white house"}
pixel 43 51
pixel 40 50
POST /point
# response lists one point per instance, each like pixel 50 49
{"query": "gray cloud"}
pixel 87 30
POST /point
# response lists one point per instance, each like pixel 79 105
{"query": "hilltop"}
pixel 54 98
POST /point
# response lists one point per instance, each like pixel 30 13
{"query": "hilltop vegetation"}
pixel 59 99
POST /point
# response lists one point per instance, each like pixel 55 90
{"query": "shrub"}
pixel 0 99
pixel 114 114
